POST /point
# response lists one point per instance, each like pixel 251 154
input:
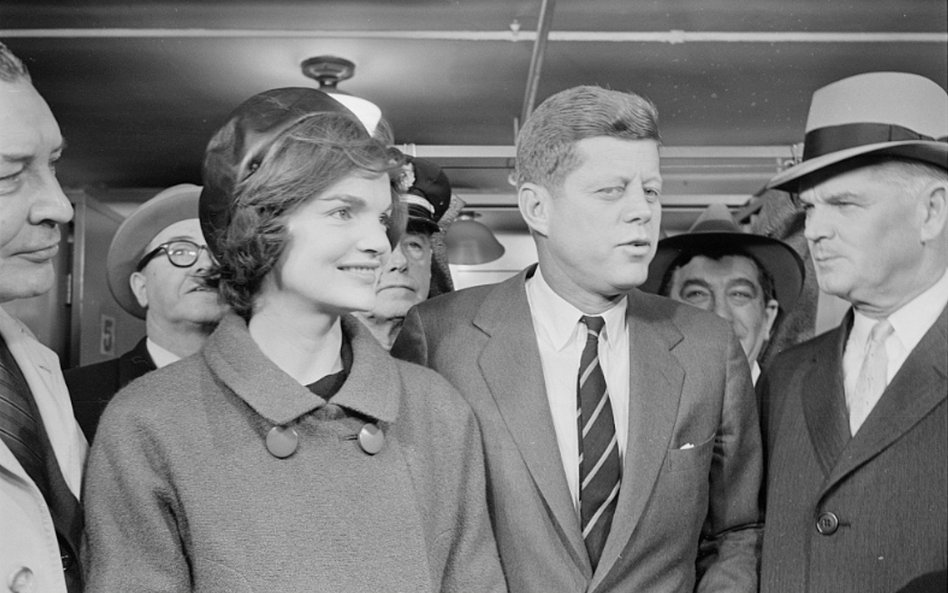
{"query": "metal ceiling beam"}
pixel 672 37
pixel 536 60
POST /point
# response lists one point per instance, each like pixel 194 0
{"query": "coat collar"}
pixel 824 401
pixel 135 363
pixel 372 387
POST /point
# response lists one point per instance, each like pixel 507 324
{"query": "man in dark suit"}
pixel 619 427
pixel 856 420
pixel 158 267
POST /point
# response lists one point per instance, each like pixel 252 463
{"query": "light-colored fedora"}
pixel 177 203
pixel 715 230
pixel 878 113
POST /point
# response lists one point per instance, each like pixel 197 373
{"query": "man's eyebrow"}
pixel 25 157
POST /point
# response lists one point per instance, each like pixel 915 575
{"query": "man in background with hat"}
pixel 856 420
pixel 405 281
pixel 158 266
pixel 744 278
pixel 42 450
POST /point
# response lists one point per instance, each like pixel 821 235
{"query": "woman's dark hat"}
pixel 880 113
pixel 240 146
pixel 424 188
pixel 177 203
pixel 715 230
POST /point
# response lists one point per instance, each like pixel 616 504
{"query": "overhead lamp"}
pixel 469 242
pixel 329 71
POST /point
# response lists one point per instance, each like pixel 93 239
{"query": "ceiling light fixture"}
pixel 469 242
pixel 329 71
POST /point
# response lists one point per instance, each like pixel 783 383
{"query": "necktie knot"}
pixel 594 326
pixel 880 332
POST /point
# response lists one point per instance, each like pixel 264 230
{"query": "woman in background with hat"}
pixel 292 453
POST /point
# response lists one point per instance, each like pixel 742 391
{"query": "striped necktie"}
pixel 23 432
pixel 599 467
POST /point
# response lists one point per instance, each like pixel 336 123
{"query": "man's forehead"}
pixel 727 267
pixel 29 128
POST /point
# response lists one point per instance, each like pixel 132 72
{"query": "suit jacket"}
pixel 28 547
pixel 91 387
pixel 692 460
pixel 860 514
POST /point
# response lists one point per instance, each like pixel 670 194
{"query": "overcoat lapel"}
pixel 915 390
pixel 823 400
pixel 511 366
pixel 656 379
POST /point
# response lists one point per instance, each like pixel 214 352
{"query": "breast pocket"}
pixel 685 457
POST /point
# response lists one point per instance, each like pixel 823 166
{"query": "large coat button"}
pixel 827 523
pixel 282 441
pixel 22 580
pixel 371 438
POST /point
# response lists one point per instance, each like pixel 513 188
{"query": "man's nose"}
pixel 50 205
pixel 723 309
pixel 398 261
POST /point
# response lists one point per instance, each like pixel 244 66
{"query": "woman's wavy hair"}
pixel 303 163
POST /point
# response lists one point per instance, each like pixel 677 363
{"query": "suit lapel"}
pixel 823 401
pixel 915 390
pixel 511 366
pixel 656 379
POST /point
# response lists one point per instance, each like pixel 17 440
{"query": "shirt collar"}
pixel 912 320
pixel 558 320
pixel 160 356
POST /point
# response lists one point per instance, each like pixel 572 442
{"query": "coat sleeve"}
pixel 733 529
pixel 132 537
pixel 411 343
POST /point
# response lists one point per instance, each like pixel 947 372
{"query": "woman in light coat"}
pixel 292 453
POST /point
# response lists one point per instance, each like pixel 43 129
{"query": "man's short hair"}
pixel 546 143
pixel 764 277
pixel 306 160
pixel 12 68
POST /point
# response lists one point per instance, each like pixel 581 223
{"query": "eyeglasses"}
pixel 181 253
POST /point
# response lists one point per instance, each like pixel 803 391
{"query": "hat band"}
pixel 413 200
pixel 830 139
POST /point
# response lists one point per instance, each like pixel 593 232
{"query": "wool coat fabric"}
pixel 861 514
pixel 692 465
pixel 183 494
pixel 91 387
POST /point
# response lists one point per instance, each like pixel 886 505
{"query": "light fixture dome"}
pixel 469 242
pixel 329 71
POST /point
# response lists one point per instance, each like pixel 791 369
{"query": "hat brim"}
pixel 137 231
pixel 784 264
pixel 417 224
pixel 929 151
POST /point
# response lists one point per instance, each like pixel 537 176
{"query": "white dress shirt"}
pixel 909 324
pixel 561 338
pixel 160 356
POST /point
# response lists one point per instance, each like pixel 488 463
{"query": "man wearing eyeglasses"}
pixel 158 270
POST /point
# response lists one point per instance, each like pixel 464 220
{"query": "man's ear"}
pixel 935 211
pixel 137 283
pixel 534 203
pixel 770 316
